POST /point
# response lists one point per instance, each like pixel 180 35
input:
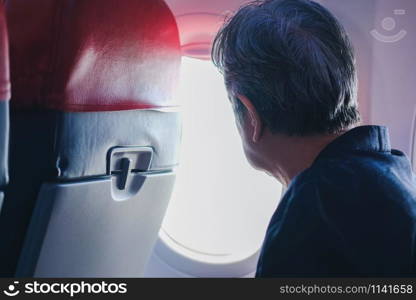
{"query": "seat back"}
pixel 95 135
pixel 4 104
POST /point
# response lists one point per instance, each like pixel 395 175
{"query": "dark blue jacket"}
pixel 351 214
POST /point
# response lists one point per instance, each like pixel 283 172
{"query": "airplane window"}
pixel 220 207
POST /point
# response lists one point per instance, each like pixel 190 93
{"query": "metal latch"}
pixel 123 161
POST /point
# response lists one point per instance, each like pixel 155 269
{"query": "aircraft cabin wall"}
pixel 381 31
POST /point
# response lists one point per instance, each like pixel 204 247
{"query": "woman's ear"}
pixel 253 117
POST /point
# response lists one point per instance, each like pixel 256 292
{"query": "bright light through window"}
pixel 220 207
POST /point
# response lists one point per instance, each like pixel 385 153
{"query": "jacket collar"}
pixel 362 139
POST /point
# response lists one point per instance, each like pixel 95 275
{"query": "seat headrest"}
pixel 4 58
pixel 95 55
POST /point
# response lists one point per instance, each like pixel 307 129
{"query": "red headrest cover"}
pixel 95 55
pixel 4 58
